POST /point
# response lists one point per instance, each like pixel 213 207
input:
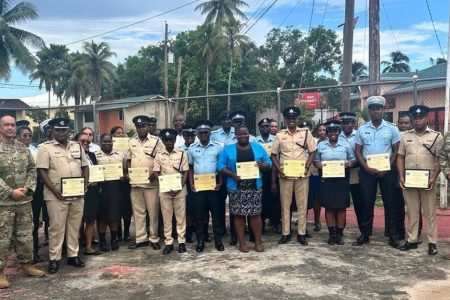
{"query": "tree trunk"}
pixel 78 117
pixel 229 82
pixel 186 100
pixel 207 92
pixel 48 109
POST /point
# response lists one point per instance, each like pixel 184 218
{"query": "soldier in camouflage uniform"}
pixel 17 184
pixel 444 159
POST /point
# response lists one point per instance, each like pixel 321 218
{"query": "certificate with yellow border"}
pixel 170 182
pixel 247 170
pixel 72 187
pixel 417 179
pixel 113 171
pixel 268 148
pixel 120 144
pixel 205 182
pixel 379 162
pixel 294 168
pixel 96 173
pixel 333 169
pixel 139 175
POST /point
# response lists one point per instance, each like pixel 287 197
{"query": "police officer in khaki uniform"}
pixel 17 184
pixel 293 143
pixel 57 159
pixel 419 150
pixel 168 161
pixel 144 197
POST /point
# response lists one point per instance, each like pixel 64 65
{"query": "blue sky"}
pixel 65 21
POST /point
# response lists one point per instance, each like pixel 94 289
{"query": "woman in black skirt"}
pixel 109 208
pixel 245 195
pixel 334 192
pixel 90 201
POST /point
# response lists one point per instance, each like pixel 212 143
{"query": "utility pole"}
pixel 177 89
pixel 348 53
pixel 166 74
pixel 374 46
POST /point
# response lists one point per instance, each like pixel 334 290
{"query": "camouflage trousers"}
pixel 16 225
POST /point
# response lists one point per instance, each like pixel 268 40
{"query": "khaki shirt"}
pixel 298 145
pixel 414 148
pixel 17 170
pixel 171 163
pixel 114 157
pixel 60 161
pixel 143 153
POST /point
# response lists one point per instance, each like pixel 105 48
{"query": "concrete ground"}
pixel 291 271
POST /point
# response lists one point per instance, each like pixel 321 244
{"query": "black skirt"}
pixel 90 212
pixel 110 201
pixel 334 193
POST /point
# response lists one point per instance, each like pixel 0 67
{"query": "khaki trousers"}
pixel 169 206
pixel 299 188
pixel 143 200
pixel 414 199
pixel 65 219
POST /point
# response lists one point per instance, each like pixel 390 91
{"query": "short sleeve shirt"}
pixel 377 140
pixel 204 158
pixel 171 163
pixel 297 145
pixel 341 151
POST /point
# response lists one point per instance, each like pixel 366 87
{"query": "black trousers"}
pixel 355 191
pixel 202 203
pixel 38 205
pixel 368 187
pixel 271 207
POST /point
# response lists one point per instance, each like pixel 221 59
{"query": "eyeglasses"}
pixel 85 142
pixel 89 134
pixel 264 126
pixel 203 132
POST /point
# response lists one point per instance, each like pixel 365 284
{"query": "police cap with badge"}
pixel 45 125
pixel 305 124
pixel 59 123
pixel 168 134
pixel 265 121
pixel 204 125
pixel 237 116
pixel 188 130
pixel 375 101
pixel 347 117
pixel 141 121
pixel 333 125
pixel 22 123
pixel 419 111
pixel 291 111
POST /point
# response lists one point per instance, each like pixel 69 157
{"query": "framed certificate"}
pixel 268 148
pixel 72 187
pixel 205 182
pixel 171 182
pixel 96 173
pixel 417 179
pixel 294 168
pixel 379 162
pixel 139 175
pixel 333 169
pixel 247 170
pixel 120 144
pixel 113 171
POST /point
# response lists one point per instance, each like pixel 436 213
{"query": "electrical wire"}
pixel 259 18
pixel 365 32
pixel 434 27
pixel 306 48
pixel 324 13
pixel 390 25
pixel 290 12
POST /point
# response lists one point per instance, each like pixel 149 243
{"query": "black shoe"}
pixel 302 240
pixel 119 238
pixel 95 242
pixel 331 236
pixel 45 243
pixel 361 240
pixel 207 238
pixel 139 245
pixel 285 239
pixel 317 226
pixel 276 229
pixel 182 248
pixel 75 261
pixel 200 246
pixel 168 249
pixel 95 252
pixel 114 245
pixel 155 246
pixel 233 241
pixel 189 239
pixel 103 246
pixel 408 246
pixel 419 239
pixel 394 243
pixel 432 249
pixel 36 258
pixel 219 246
pixel 339 236
pixel 53 266
pixel 126 237
pixel 308 235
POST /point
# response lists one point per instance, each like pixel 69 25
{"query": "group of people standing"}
pixel 264 178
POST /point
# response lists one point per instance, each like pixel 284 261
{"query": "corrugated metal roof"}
pixel 12 104
pixel 126 102
pixel 111 106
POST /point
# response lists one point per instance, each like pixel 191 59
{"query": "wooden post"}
pixel 348 53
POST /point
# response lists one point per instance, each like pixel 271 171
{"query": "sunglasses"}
pixel 203 132
pixel 264 126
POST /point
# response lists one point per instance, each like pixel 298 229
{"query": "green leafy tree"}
pixel 437 61
pixel 358 70
pixel 221 11
pixel 14 41
pixel 37 115
pixel 399 63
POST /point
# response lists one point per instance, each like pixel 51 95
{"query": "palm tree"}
pixel 358 70
pixel 97 66
pixel 208 46
pixel 13 40
pixel 235 42
pixel 221 11
pixel 437 61
pixel 50 60
pixel 399 63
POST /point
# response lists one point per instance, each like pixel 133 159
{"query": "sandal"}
pixel 243 248
pixel 259 248
pixel 95 252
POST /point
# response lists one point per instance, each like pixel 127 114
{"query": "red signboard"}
pixel 310 100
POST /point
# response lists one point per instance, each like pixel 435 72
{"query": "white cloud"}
pixel 428 26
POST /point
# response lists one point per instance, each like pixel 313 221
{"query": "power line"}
pixel 259 18
pixel 434 27
pixel 290 12
pixel 306 47
pixel 365 32
pixel 324 13
pixel 390 25
pixel 135 23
